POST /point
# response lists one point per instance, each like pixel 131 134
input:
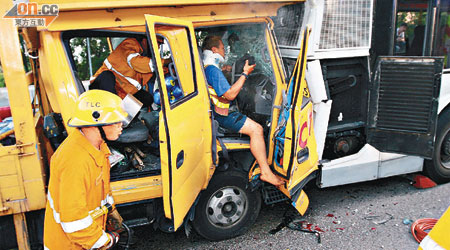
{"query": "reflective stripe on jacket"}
pixel 79 183
pixel 221 105
pixel 429 244
pixel 132 70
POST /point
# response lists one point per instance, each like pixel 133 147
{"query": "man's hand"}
pixel 248 68
pixel 114 222
pixel 237 86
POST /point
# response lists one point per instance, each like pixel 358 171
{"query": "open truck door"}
pixel 294 146
pixel 185 125
pixel 403 103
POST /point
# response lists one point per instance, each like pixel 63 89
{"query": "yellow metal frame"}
pixel 70 5
pixel 110 18
pixel 21 167
pixel 137 189
pixel 21 172
pixel 56 73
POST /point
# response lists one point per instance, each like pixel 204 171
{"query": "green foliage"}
pixel 2 80
pixel 412 19
pixel 99 51
pixel 200 36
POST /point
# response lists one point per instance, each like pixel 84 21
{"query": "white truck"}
pixel 375 105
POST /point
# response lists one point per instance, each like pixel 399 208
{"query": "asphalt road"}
pixel 367 215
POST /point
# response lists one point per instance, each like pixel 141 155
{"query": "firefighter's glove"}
pixel 113 239
pixel 114 222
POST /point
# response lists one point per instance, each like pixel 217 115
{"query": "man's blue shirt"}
pixel 217 80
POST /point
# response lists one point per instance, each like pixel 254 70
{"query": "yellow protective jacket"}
pixel 439 237
pixel 132 70
pixel 221 104
pixel 79 183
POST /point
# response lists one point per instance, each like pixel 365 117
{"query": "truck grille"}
pixel 405 96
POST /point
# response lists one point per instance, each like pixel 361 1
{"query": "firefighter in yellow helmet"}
pixel 79 177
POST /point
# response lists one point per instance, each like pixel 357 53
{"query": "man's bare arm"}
pixel 237 86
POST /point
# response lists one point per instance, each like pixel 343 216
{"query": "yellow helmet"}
pixel 98 108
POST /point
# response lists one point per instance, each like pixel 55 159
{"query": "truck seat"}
pixel 135 132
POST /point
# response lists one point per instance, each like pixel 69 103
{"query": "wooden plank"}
pixel 20 224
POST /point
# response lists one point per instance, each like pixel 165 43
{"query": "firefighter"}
pixel 79 184
pixel 129 68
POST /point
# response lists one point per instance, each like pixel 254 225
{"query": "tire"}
pixel 438 169
pixel 227 208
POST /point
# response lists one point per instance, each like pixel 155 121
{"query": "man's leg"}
pixel 105 81
pixel 145 97
pixel 258 149
pixel 151 120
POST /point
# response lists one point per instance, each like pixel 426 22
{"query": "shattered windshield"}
pixel 240 40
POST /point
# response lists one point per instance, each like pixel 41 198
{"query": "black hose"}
pixel 127 245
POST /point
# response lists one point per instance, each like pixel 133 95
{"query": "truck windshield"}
pixel 240 40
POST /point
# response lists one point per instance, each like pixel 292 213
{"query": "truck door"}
pixel 403 103
pixel 185 125
pixel 295 155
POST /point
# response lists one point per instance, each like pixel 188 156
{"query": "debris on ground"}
pixel 302 226
pixel 379 219
pixel 298 226
pixel 407 221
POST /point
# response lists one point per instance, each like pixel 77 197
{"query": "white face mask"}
pixel 211 58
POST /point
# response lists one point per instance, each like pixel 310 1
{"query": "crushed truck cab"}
pixel 338 102
pixel 193 172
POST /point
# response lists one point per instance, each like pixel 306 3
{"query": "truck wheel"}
pixel 438 169
pixel 227 208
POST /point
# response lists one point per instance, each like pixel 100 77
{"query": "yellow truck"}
pixel 198 174
pixel 331 111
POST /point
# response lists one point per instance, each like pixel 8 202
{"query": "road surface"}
pixel 367 215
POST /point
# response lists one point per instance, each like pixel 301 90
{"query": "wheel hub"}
pixel 445 151
pixel 227 206
pixel 446 145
